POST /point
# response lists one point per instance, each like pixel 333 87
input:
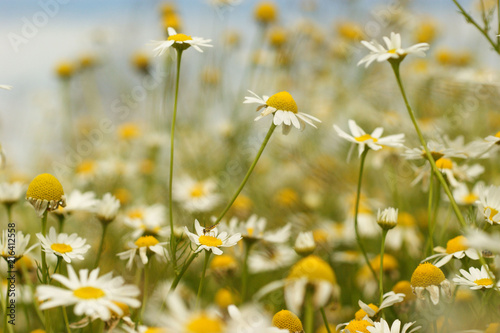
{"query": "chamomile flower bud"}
pixel 45 193
pixel 305 245
pixel 287 320
pixel 388 218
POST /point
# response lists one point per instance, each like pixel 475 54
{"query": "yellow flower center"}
pixel 155 330
pixel 86 167
pixel 492 328
pixel 124 307
pixel 45 187
pixel 404 287
pixel 313 268
pixel 444 163
pixel 470 198
pixel 406 219
pixel 427 274
pixel 393 51
pixel 250 231
pixel 456 244
pixel 358 326
pixel 204 324
pixel 197 190
pixel 88 293
pixel 493 212
pixel 389 263
pixel 365 137
pixel 38 330
pixel 484 282
pixel 136 214
pixel 128 131
pixel 288 321
pixel 265 12
pixel 209 241
pixel 498 134
pixel 224 261
pixel 179 38
pixel 146 241
pixel 283 101
pixel 360 314
pixel 61 248
pixel 224 298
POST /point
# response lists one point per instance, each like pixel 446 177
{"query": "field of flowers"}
pixel 317 178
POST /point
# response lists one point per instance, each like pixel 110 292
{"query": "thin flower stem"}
pixel 308 311
pixel 430 239
pixel 244 274
pixel 395 67
pixel 202 280
pixel 66 321
pixel 323 314
pixel 381 270
pixel 474 23
pixel 28 282
pixel 173 243
pixel 60 220
pixel 249 172
pixel 44 260
pixel 358 197
pixel 181 274
pixel 144 292
pixel 101 244
pixel 8 207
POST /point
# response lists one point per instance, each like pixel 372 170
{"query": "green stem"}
pixel 439 175
pixel 145 293
pixel 27 281
pixel 430 240
pixel 173 244
pixel 202 280
pixel 61 218
pixel 244 274
pixel 44 260
pixel 381 271
pixel 323 314
pixel 66 321
pixel 356 211
pixel 308 311
pixel 184 269
pixel 8 207
pixel 249 172
pixel 101 244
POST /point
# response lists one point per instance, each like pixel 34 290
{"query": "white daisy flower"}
pixel 92 296
pixel 211 240
pixel 78 201
pixel 393 50
pixel 250 319
pixel 383 327
pixel 489 204
pixel 180 42
pixel 466 197
pixel 270 258
pixel 373 141
pixel 284 109
pixel 387 218
pixel 455 248
pixel 69 247
pixel 10 193
pixel 429 278
pixel 475 278
pixel 255 229
pixel 370 310
pixel 436 149
pixel 483 241
pixel 196 196
pixel 107 208
pixel 20 247
pixel 143 244
pixel 493 139
pixel 147 221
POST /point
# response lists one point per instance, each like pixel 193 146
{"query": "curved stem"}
pixel 430 240
pixel 358 196
pixel 323 314
pixel 101 244
pixel 439 175
pixel 202 280
pixel 173 244
pixel 249 172
pixel 381 270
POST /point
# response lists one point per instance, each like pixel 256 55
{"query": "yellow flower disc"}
pixel 45 187
pixel 427 274
pixel 287 320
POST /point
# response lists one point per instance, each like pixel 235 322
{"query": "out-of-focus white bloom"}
pixel 388 299
pixel 211 240
pixel 6 87
pixel 10 193
pixel 107 208
pixel 92 295
pixel 483 241
pixel 407 233
pixel 255 229
pixel 455 248
pixel 374 141
pixel 285 110
pixel 436 149
pixel 78 201
pixel 489 204
pixel 180 42
pixel 68 247
pixel 463 196
pixel 383 327
pixel 393 50
pixel 143 244
pixel 271 258
pixel 19 248
pixel 387 218
pixel 196 196
pixel 475 278
pixel 304 244
pixel 250 319
pixel 147 221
